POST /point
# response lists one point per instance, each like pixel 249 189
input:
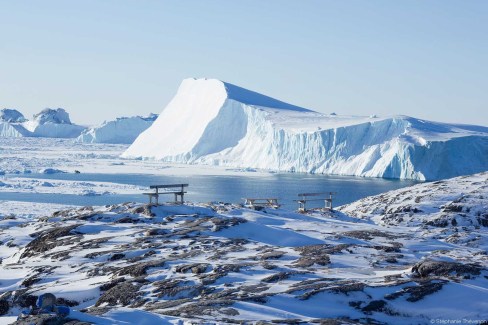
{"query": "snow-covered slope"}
pixel 48 123
pixel 222 263
pixel 447 204
pixel 213 122
pixel 122 130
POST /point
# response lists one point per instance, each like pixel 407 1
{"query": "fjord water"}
pixel 229 189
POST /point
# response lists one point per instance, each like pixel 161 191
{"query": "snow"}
pixel 52 186
pixel 360 238
pixel 35 155
pixel 27 210
pixel 122 130
pixel 215 123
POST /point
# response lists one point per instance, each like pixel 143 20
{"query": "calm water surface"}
pixel 206 188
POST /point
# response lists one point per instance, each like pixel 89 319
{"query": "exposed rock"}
pixel 31 280
pixel 418 292
pixel 124 293
pixel 442 268
pixel 221 223
pixel 207 308
pixel 369 234
pixel 4 307
pixel 194 268
pixel 139 269
pixel 272 254
pixel 111 284
pixel 48 319
pixel 280 276
pixel 48 240
pixel 116 257
pixel 66 302
pixel 375 305
pixel 175 288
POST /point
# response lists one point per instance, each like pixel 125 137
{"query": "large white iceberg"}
pixel 216 123
pixel 122 130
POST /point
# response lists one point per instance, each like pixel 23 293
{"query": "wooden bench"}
pixel 254 203
pixel 307 197
pixel 178 192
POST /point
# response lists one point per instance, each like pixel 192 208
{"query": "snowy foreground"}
pixel 411 256
pixel 216 123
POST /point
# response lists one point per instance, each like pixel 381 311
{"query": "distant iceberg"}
pixel 11 116
pixel 216 123
pixel 123 130
pixel 52 123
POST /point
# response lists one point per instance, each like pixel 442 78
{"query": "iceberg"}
pixel 123 130
pixel 217 123
pixel 11 116
pixel 51 123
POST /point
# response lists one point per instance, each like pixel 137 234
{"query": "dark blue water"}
pixel 232 189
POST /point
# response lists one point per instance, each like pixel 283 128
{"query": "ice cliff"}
pixel 216 123
pixel 122 130
pixel 52 123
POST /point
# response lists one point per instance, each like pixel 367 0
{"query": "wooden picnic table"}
pixel 177 189
pixel 305 197
pixel 261 202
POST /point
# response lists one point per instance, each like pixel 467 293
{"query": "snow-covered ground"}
pixel 51 186
pixel 29 210
pixel 396 258
pixel 216 123
pixel 35 155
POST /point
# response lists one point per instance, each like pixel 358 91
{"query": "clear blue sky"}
pixel 103 59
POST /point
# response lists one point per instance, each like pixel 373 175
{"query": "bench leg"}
pixel 157 199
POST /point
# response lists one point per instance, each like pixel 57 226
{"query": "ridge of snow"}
pixel 216 123
pixel 123 130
